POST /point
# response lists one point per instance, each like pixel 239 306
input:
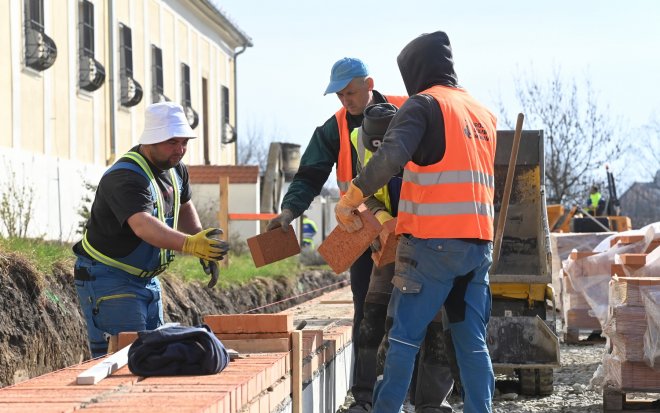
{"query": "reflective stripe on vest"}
pixel 453 198
pixel 165 255
pixel 345 161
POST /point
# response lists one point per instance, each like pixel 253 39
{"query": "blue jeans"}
pixel 427 270
pixel 113 301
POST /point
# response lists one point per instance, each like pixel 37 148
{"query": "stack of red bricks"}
pixel 631 328
pixel 577 314
pixel 586 276
pixel 258 381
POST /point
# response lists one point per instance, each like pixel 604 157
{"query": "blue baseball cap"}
pixel 343 71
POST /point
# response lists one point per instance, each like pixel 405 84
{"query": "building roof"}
pixel 212 10
pixel 210 174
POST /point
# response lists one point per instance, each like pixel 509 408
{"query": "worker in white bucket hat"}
pixel 142 212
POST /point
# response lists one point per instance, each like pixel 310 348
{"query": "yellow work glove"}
pixel 211 268
pixel 383 216
pixel 203 245
pixel 346 209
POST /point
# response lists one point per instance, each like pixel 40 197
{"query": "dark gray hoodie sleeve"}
pixel 401 141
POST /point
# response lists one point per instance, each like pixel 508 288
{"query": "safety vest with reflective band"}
pixel 364 155
pixel 595 199
pixel 453 198
pixel 146 260
pixel 308 231
pixel 345 161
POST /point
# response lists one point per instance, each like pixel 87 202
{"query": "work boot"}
pixel 434 382
pixel 372 330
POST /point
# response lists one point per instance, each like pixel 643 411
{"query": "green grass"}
pixel 43 254
pixel 240 270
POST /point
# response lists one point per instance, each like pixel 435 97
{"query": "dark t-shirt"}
pixel 120 194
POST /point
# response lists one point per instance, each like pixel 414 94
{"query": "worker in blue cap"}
pixel 330 144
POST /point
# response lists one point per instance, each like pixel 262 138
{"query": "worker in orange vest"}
pixel 434 380
pixel 330 144
pixel 445 140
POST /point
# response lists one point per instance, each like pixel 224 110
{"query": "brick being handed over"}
pixel 272 246
pixel 341 249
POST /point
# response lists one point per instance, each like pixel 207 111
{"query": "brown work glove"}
pixel 281 221
pixel 203 245
pixel 346 209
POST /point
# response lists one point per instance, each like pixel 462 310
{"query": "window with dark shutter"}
pixel 91 73
pixel 228 131
pixel 186 100
pixel 40 50
pixel 131 91
pixel 157 87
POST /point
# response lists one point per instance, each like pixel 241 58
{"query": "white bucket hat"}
pixel 163 121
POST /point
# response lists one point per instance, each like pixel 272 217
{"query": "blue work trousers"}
pixel 113 301
pixel 426 271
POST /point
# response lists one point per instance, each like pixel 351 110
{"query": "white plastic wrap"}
pixel 591 275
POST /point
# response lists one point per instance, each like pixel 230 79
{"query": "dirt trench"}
pixel 42 328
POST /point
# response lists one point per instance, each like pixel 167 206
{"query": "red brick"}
pixel 126 338
pixel 633 260
pixel 340 249
pixel 280 391
pixel 273 246
pixel 388 242
pixel 251 336
pixel 625 240
pixel 249 323
pixel 576 255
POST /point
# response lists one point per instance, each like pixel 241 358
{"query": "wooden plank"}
pixel 614 401
pixel 104 368
pixel 223 216
pixel 297 370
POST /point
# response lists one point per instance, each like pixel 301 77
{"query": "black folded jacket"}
pixel 177 351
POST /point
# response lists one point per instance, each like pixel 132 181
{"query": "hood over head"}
pixel 427 61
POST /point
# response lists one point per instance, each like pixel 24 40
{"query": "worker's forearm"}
pixel 189 222
pixel 374 204
pixel 154 232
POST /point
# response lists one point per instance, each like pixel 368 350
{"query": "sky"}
pixel 281 79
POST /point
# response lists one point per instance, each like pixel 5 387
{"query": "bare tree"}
pixel 580 135
pixel 253 146
pixel 648 149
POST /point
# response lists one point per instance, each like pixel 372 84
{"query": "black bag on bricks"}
pixel 177 351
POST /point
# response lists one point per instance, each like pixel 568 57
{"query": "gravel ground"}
pixel 572 390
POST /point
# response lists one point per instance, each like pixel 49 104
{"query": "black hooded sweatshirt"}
pixel 417 131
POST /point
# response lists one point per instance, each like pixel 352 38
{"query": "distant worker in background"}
pixel 434 383
pixel 331 144
pixel 596 203
pixel 308 231
pixel 445 141
pixel 142 212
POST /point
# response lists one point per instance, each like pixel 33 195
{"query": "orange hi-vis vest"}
pixel 453 198
pixel 345 160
